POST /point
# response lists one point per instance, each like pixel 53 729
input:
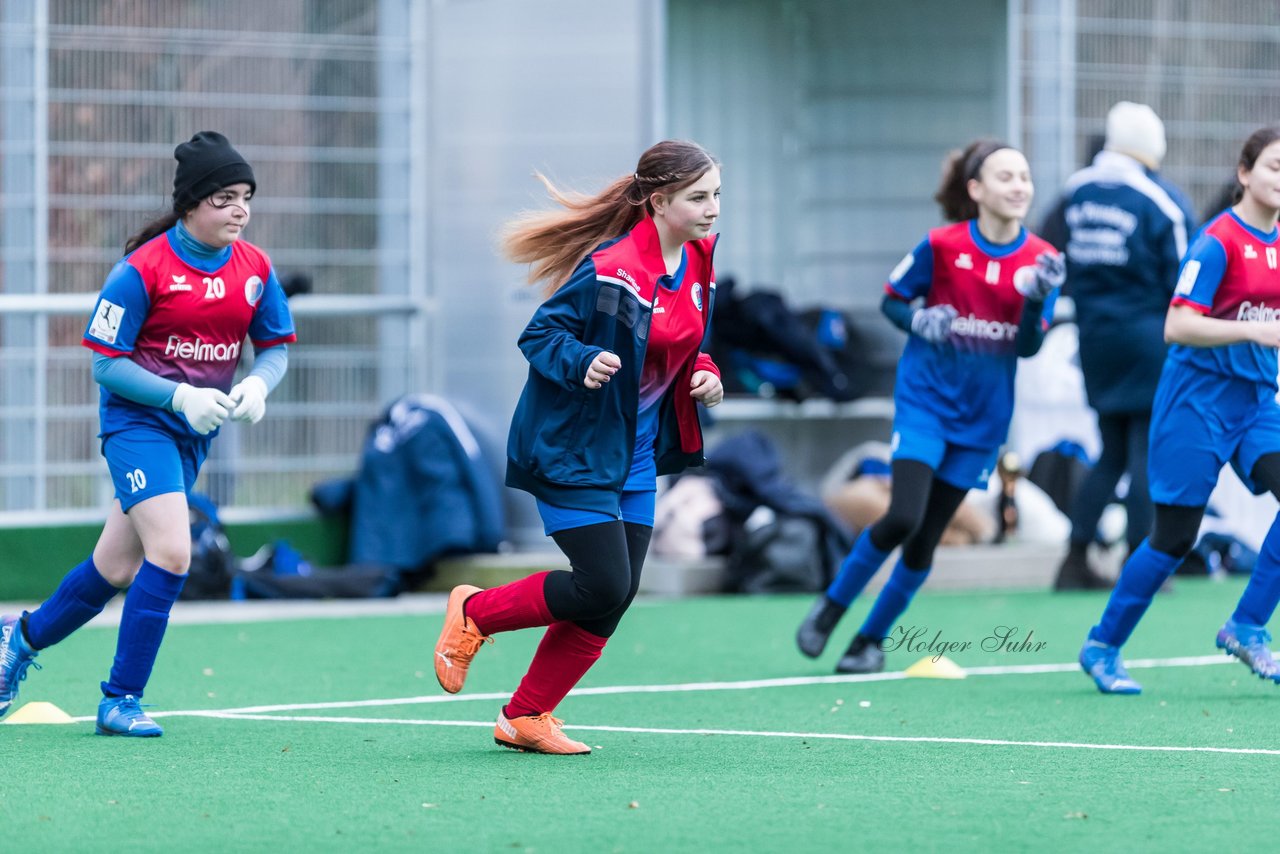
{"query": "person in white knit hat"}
pixel 1124 229
pixel 1136 130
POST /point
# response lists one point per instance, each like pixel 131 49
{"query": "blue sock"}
pixel 863 561
pixel 894 599
pixel 79 598
pixel 1140 578
pixel 1258 602
pixel 142 625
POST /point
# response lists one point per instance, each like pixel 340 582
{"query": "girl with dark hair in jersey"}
pixel 1216 403
pixel 615 371
pixel 166 332
pixel 974 297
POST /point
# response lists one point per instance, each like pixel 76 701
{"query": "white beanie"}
pixel 1135 129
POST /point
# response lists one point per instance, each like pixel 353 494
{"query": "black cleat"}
pixel 864 655
pixel 813 633
pixel 1076 574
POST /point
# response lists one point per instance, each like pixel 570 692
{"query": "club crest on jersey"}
pixel 179 283
pixel 1024 278
pixel 253 289
pixel 696 292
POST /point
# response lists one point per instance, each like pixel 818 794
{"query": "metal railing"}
pixel 314 429
pixel 327 102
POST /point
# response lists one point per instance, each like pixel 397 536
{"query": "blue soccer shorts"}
pixel 635 507
pixel 1200 422
pixel 962 467
pixel 148 461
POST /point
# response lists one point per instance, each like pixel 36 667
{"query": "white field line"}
pixel 683 687
pixel 830 736
pixel 261 713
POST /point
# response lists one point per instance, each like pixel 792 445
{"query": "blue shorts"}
pixel 634 507
pixel 965 468
pixel 1200 422
pixel 148 461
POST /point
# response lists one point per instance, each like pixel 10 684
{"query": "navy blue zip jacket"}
pixel 570 445
pixel 1124 230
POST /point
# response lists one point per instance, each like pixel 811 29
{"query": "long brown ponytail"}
pixel 554 242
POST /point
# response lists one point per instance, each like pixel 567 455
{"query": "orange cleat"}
pixel 536 734
pixel 459 641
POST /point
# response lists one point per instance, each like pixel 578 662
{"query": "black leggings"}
pixel 920 508
pixel 1177 527
pixel 606 560
pixel 1124 449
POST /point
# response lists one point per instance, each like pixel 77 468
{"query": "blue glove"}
pixel 933 324
pixel 1046 276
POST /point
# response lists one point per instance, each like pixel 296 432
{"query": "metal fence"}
pixel 1210 70
pixel 324 99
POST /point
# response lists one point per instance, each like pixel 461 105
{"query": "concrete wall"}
pixel 571 89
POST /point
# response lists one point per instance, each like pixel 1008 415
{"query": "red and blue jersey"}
pixel 185 319
pixel 676 329
pixel 965 384
pixel 1232 272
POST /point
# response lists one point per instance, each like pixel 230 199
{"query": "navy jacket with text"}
pixel 570 445
pixel 1124 230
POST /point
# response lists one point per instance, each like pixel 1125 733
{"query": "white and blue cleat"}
pixel 1249 644
pixel 124 716
pixel 1102 662
pixel 16 656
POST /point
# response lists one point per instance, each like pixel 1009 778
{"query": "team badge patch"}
pixel 1187 279
pixel 106 321
pixel 253 289
pixel 696 291
pixel 1024 278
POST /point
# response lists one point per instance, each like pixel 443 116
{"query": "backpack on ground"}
pixel 212 562
pixel 424 490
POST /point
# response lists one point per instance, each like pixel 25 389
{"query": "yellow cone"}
pixel 943 668
pixel 39 713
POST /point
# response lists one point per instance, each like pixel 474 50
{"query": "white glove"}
pixel 204 408
pixel 250 397
pixel 1049 273
pixel 933 324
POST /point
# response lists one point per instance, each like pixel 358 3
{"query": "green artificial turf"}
pixel 781 784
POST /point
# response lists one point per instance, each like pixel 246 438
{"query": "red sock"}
pixel 518 605
pixel 564 656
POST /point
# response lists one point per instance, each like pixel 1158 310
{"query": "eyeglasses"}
pixel 221 202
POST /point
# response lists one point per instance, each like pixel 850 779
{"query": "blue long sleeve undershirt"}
pixel 127 378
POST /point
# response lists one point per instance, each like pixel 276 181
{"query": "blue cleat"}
pixel 124 716
pixel 1249 644
pixel 16 655
pixel 1103 663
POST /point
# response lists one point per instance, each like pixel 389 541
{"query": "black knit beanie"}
pixel 206 164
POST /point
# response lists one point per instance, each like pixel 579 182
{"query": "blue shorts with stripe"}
pixel 148 461
pixel 1201 421
pixel 636 507
pixel 960 466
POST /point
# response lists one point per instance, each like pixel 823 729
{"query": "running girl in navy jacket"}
pixel 985 287
pixel 616 370
pixel 167 333
pixel 1215 403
